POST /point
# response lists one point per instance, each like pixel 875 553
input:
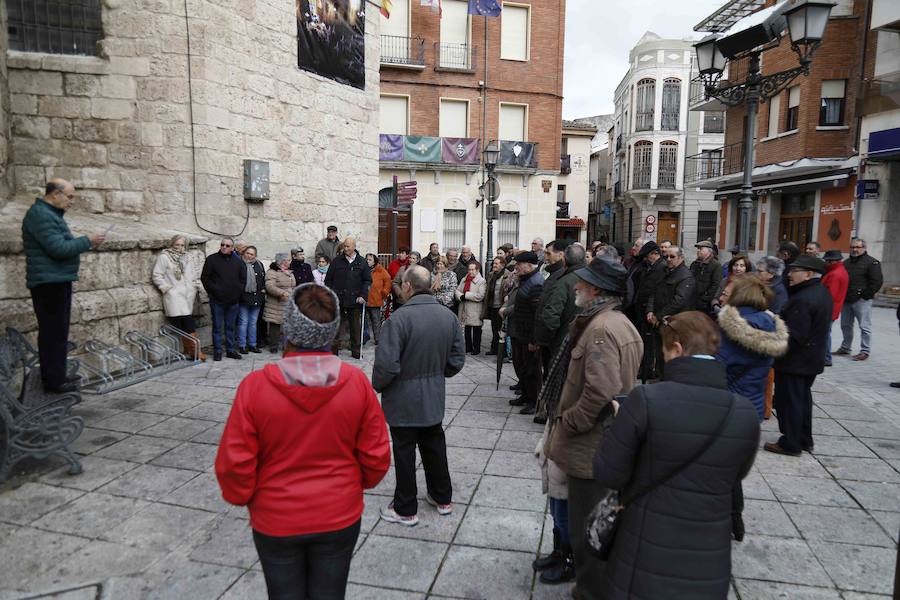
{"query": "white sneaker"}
pixel 443 509
pixel 390 515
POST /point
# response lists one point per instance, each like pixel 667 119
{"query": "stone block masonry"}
pixel 153 132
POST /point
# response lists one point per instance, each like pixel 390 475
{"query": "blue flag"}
pixel 488 8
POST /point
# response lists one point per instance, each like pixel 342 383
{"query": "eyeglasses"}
pixel 857 247
pixel 225 245
pixel 671 256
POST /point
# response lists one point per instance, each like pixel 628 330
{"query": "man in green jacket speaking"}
pixel 52 260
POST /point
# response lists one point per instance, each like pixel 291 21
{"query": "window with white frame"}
pixel 793 111
pixel 508 228
pixel 831 112
pixel 393 114
pixel 454 229
pixel 454 118
pixel 513 122
pixel 455 46
pixel 643 159
pixel 514 34
pixel 671 105
pixel 645 98
pixel 668 164
pixel 774 110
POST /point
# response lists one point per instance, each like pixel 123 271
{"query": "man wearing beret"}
pixel 526 353
pixel 603 352
pixel 807 315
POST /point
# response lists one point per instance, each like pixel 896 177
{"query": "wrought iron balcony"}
pixel 398 50
pixel 666 178
pixel 641 179
pixel 710 164
pixel 454 57
pixel 565 164
pixel 644 121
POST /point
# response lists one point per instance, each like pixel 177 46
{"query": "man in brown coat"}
pixel 605 354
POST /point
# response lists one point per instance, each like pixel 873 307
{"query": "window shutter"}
pixel 514 33
pixel 833 88
pixel 794 96
pixel 454 118
pixel 398 24
pixel 393 114
pixel 774 110
pixel 512 123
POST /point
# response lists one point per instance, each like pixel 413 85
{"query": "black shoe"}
pixel 217 356
pixel 254 350
pixel 895 384
pixel 64 388
pixel 491 353
pixel 540 419
pixel 517 401
pixel 554 559
pixel 476 352
pixel 528 409
pixel 515 387
pixel 242 350
pixel 234 355
pixel 562 573
pixel 809 448
pixel 737 528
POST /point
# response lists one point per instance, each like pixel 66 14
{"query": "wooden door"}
pixel 404 229
pixel 667 227
pixel 797 228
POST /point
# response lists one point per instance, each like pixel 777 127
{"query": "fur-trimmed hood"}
pixel 742 332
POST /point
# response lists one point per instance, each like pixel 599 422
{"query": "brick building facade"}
pixel 482 79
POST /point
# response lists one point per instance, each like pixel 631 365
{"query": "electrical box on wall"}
pixel 256 180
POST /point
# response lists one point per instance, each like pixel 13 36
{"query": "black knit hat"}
pixel 606 275
pixel 527 257
pixel 647 248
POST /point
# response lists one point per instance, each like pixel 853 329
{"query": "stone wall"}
pixel 153 133
pixel 4 110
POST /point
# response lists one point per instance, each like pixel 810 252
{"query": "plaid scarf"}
pixel 548 399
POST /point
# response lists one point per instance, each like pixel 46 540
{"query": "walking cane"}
pixel 362 330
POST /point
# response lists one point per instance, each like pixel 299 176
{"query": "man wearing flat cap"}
pixel 603 352
pixel 302 270
pixel 328 246
pixel 807 315
pixel 707 276
pixel 526 354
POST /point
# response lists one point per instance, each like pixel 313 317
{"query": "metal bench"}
pixel 33 422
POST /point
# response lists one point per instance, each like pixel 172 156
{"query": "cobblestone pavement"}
pixel 146 519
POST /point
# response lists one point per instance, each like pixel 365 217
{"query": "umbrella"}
pixel 501 356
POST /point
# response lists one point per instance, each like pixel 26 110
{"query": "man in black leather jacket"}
pixel 865 281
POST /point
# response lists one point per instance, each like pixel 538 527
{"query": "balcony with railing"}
pixel 644 121
pixel 711 164
pixel 669 120
pixel 666 177
pixel 565 164
pixel 641 179
pixel 403 52
pixel 454 57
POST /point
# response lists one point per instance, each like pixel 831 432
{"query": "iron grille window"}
pixel 668 164
pixel 55 26
pixel 706 225
pixel 508 228
pixel 643 157
pixel 714 121
pixel 671 104
pixel 454 229
pixel 646 94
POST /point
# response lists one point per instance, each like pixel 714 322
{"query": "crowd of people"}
pixel 718 345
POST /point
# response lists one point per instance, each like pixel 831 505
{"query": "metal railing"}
pixel 698 92
pixel 669 121
pixel 644 121
pixel 641 180
pixel 454 57
pixel 710 164
pixel 714 121
pixel 666 177
pixel 402 50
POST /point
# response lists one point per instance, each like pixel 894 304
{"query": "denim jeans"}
pixel 246 333
pixel 315 565
pixel 559 510
pixel 224 316
pixel 861 311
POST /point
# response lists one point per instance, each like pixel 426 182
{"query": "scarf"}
pixel 250 286
pixel 548 398
pixel 178 260
pixel 468 284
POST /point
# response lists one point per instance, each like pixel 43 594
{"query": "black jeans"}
pixel 351 325
pixel 53 309
pixel 793 403
pixel 433 448
pixel 185 323
pixel 315 565
pixel 496 324
pixel 473 339
pixel 528 369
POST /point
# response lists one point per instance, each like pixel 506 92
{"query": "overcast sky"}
pixel 599 35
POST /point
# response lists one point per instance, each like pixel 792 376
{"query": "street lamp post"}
pixel 491 155
pixel 806 21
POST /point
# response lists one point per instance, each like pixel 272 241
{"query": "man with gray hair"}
pixel 350 278
pixel 419 347
pixel 224 278
pixel 865 281
pixel 537 246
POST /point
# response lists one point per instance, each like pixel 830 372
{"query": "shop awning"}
pixel 885 143
pixel 570 223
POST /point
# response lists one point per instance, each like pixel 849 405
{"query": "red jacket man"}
pixel 836 279
pixel 402 260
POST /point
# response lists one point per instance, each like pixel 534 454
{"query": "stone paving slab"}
pixel 146 518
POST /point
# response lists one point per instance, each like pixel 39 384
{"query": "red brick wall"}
pixel 537 82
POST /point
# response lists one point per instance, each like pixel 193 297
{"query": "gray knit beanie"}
pixel 303 332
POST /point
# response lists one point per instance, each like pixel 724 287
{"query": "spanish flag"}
pixel 386 6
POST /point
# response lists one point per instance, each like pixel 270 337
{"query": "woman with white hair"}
pixel 178 278
pixel 279 284
pixel 770 269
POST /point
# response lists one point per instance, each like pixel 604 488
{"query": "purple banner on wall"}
pixel 390 147
pixel 461 151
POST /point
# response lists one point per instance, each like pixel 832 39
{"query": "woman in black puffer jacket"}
pixel 674 542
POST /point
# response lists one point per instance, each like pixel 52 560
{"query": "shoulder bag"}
pixel 603 520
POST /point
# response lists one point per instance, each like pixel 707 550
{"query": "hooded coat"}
pixel 675 541
pixel 837 280
pixel 304 437
pixel 751 340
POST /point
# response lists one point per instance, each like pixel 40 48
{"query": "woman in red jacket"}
pixel 305 436
pixel 837 280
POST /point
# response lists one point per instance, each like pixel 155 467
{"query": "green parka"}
pixel 51 251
